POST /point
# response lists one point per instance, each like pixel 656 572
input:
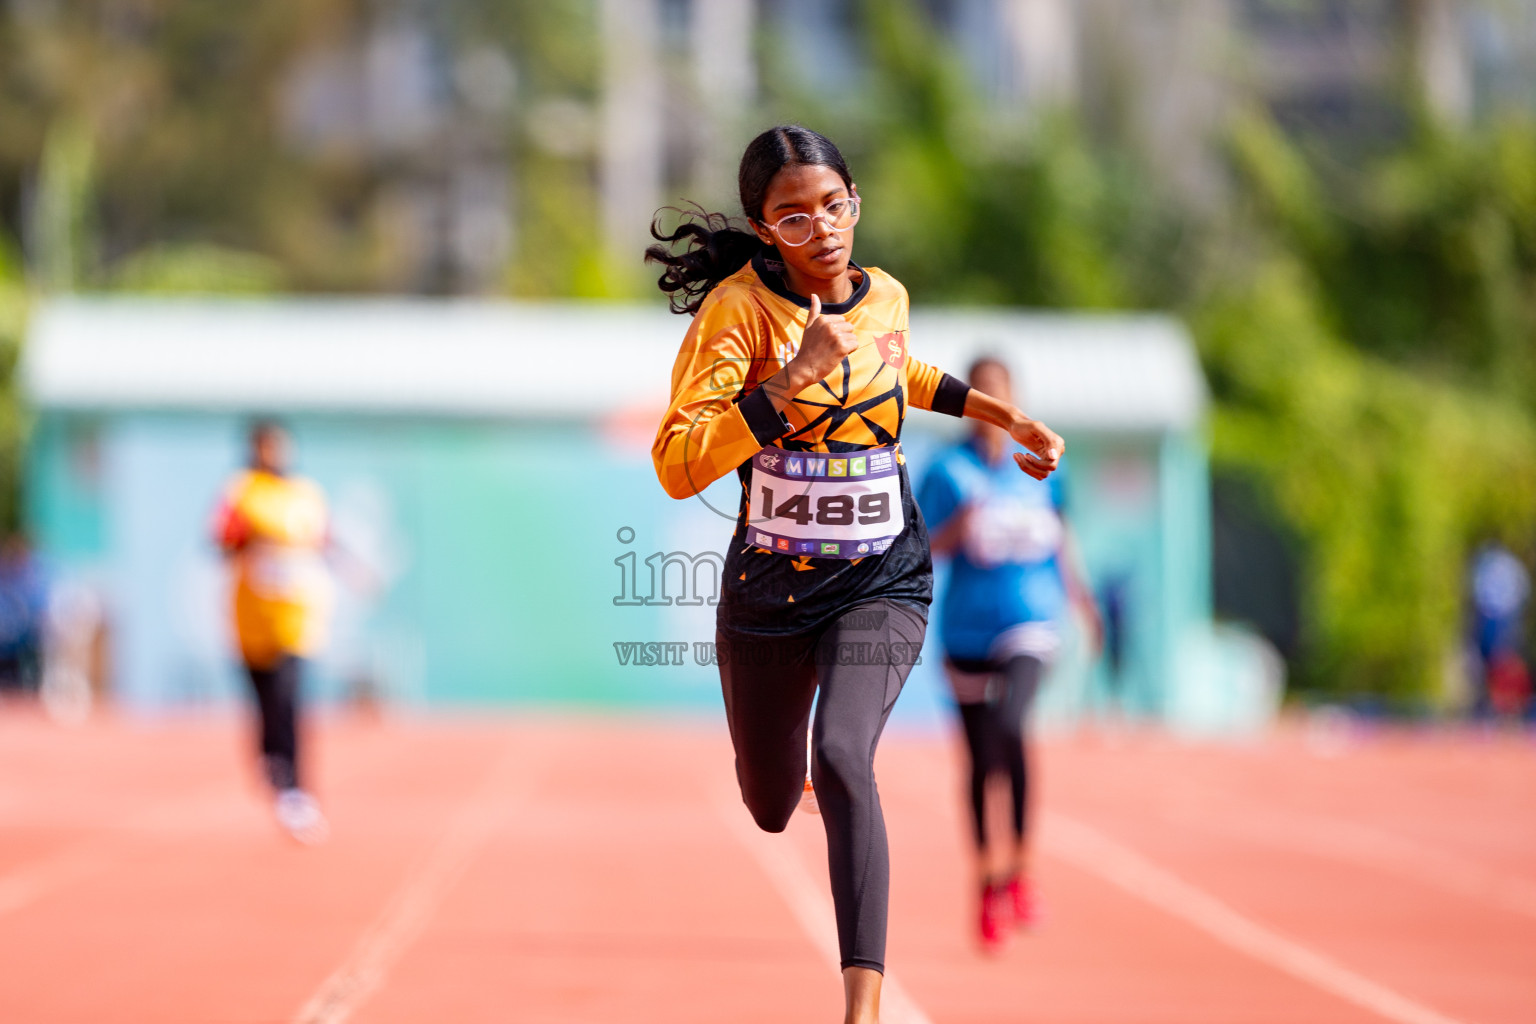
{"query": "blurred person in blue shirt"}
pixel 1013 577
pixel 1500 588
pixel 23 602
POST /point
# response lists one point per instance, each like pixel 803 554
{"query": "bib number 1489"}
pixel 831 509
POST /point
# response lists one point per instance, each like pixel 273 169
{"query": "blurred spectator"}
pixel 1500 588
pixel 77 652
pixel 1112 597
pixel 23 602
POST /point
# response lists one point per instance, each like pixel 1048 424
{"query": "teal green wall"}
pixel 496 547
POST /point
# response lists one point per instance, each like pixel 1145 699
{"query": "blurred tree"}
pixel 190 268
pixel 61 224
pixel 1391 471
pixel 1427 255
pixel 139 124
pixel 13 420
pixel 987 208
pixel 559 249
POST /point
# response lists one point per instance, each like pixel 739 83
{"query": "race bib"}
pixel 844 505
pixel 281 572
pixel 1005 531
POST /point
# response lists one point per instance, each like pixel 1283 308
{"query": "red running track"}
pixel 570 869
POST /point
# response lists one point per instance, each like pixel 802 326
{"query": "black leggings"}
pixel 277 699
pixel 860 662
pixel 996 735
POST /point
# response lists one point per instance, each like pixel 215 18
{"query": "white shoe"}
pixel 299 815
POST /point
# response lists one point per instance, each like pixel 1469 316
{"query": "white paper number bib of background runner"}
pixel 843 505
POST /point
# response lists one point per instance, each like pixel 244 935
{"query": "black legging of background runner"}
pixel 997 735
pixel 277 699
pixel 768 683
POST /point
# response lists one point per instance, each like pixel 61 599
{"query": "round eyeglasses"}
pixel 799 228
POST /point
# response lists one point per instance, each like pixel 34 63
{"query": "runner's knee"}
pixel 841 763
pixel 772 805
pixel 771 815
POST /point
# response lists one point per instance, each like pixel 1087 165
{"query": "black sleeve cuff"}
pixel 949 396
pixel 766 423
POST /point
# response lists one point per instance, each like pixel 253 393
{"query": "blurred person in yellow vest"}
pixel 273 529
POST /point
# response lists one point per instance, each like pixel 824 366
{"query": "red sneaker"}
pixel 994 911
pixel 1021 899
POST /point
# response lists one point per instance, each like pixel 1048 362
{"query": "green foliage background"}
pixel 1366 315
pixel 1367 321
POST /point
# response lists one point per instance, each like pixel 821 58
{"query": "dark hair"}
pixel 714 250
pixel 981 362
pixel 263 428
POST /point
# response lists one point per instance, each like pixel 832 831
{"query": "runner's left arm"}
pixel 929 387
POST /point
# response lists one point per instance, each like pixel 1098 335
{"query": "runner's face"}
pixel 272 451
pixel 807 189
pixel 993 380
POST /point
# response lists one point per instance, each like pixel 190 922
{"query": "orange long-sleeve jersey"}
pixel 274 529
pixel 748 328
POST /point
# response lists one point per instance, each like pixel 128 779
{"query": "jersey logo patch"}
pixel 893 349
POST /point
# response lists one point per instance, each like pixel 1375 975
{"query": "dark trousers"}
pixel 277 700
pixel 859 663
pixel 996 736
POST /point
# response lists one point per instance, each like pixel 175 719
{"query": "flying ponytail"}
pixel 714 250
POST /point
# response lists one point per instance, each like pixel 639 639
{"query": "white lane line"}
pixel 1376 848
pixel 33 881
pixel 379 948
pixel 809 904
pixel 1095 852
pixel 134 831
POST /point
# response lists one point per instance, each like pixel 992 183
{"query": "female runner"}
pixel 1014 567
pixel 795 373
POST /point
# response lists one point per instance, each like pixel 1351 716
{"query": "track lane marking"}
pixel 159 822
pixel 1093 851
pixel 415 901
pixel 1375 847
pixel 127 831
pixel 810 906
pixel 33 881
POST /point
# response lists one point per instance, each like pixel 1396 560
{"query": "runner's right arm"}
pixel 231 531
pixel 707 431
pixel 944 509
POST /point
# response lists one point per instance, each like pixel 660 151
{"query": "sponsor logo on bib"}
pixel 815 467
pixel 837 467
pixel 783 544
pixel 794 467
pixel 863 549
pixel 856 466
pixel 769 460
pixel 829 549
